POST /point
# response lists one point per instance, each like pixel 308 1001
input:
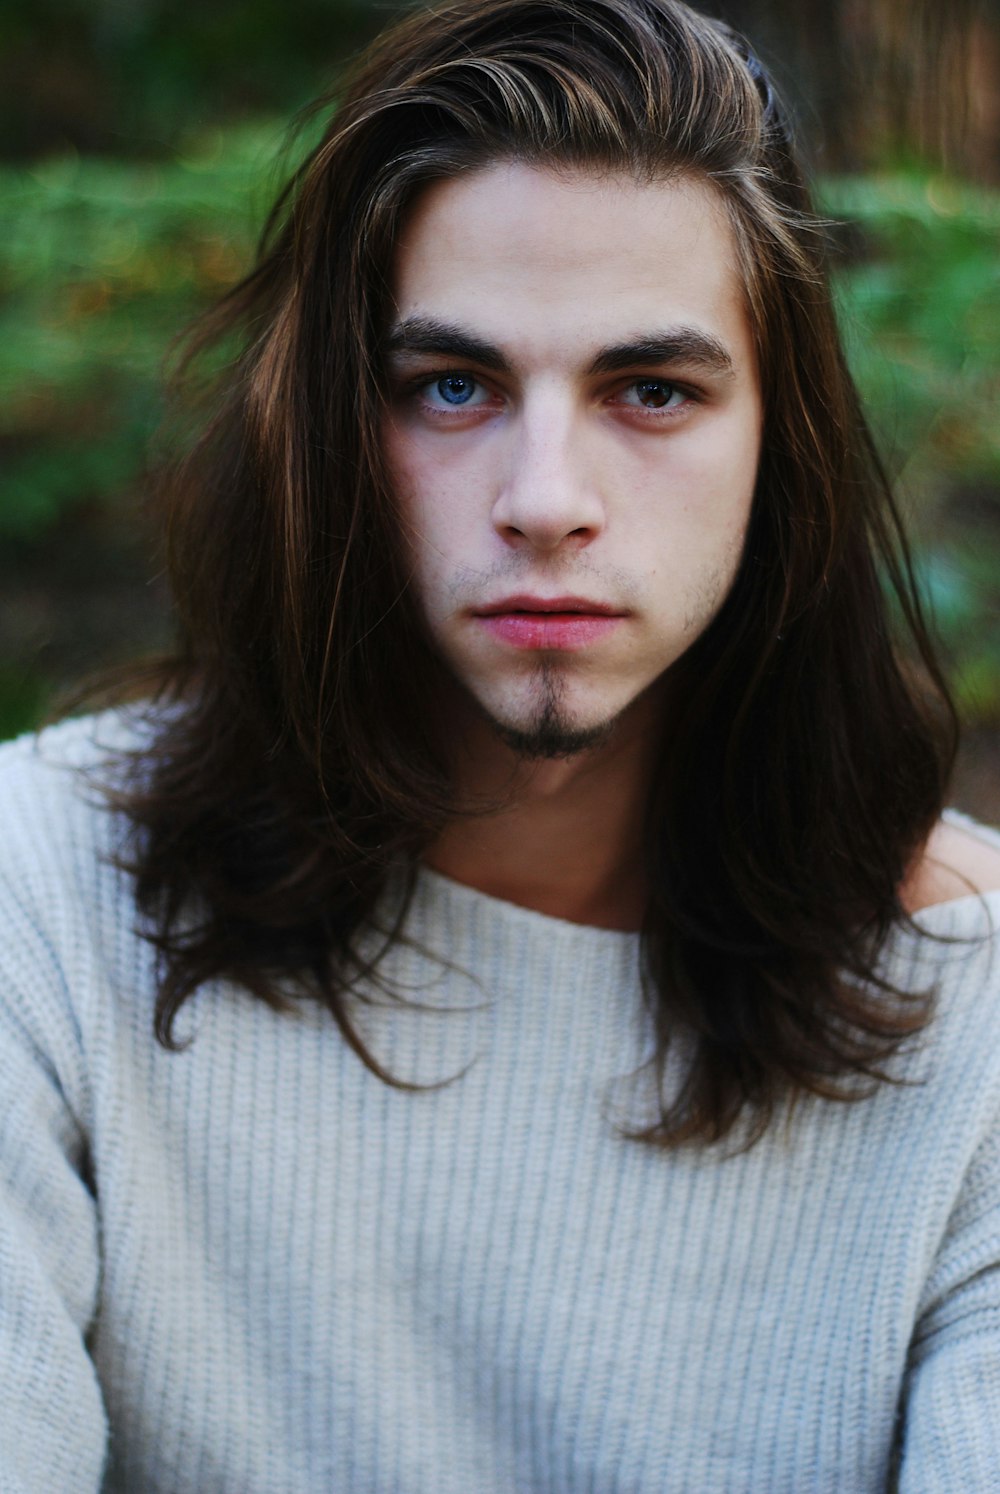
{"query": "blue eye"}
pixel 452 393
pixel 455 389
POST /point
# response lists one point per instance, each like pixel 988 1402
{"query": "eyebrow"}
pixel 685 345
pixel 422 334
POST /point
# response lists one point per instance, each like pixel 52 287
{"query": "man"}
pixel 577 1060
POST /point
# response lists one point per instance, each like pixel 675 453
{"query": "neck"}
pixel 563 837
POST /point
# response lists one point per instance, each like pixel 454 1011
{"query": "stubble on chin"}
pixel 548 734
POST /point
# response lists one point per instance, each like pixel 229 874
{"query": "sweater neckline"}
pixel 462 898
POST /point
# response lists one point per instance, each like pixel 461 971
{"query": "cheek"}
pixel 414 486
pixel 697 526
pixel 696 532
pixel 427 526
pixel 443 506
pixel 715 487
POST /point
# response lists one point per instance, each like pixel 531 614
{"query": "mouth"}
pixel 531 606
pixel 556 624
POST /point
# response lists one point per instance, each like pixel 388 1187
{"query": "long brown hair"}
pixel 295 766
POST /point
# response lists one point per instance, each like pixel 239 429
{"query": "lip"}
pixel 580 606
pixel 553 623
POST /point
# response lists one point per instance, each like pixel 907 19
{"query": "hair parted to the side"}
pixel 298 765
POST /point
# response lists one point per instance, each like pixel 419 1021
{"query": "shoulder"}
pixel 950 953
pixel 56 761
pixel 68 920
pixel 960 859
pixel 40 777
pixel 58 826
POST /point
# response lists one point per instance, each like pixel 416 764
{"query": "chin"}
pixel 548 727
pixel 546 740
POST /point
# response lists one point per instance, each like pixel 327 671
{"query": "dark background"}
pixel 140 141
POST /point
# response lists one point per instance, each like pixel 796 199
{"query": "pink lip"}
pixel 531 622
pixel 548 604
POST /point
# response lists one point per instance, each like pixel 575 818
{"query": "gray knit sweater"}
pixel 251 1266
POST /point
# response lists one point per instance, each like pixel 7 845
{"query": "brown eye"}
pixel 656 394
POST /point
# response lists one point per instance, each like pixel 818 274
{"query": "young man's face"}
pixel 574 436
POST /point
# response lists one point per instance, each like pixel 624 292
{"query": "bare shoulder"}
pixel 957 860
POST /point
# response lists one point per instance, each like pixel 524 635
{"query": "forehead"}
pixel 555 263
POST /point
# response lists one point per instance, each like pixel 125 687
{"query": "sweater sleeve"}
pixel 951 1430
pixel 52 1421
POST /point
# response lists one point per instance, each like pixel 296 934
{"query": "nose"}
pixel 548 497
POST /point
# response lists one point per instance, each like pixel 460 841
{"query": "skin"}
pixel 575 413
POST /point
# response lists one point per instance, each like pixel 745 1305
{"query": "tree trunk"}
pixel 874 82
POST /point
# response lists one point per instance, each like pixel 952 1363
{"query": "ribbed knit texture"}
pixel 266 1272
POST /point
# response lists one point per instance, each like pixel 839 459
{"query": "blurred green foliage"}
pixel 919 292
pixel 921 309
pixel 103 261
pixel 127 77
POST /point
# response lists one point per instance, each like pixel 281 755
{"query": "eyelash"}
pixel 417 389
